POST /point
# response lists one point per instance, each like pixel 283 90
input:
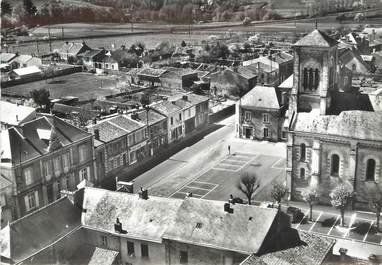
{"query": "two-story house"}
pixel 119 141
pixel 260 115
pixel 175 119
pixel 42 157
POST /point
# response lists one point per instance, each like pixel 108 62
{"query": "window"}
pixel 82 152
pixel 354 67
pixel 84 173
pixel 144 250
pixel 133 157
pixel 47 170
pixel 247 116
pixel 180 116
pixel 302 152
pixel 265 132
pixel 28 176
pixel 57 166
pixel 172 121
pixel 335 165
pixel 107 66
pixel 66 162
pixel 284 134
pixel 31 201
pixel 132 139
pixel 130 248
pixel 302 173
pixel 104 241
pixel 183 257
pixel 370 170
pixel 266 117
pixel 112 66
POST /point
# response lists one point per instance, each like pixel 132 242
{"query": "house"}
pixel 90 57
pixel 106 62
pixel 72 50
pixel 25 60
pixel 234 82
pixel 119 141
pixel 157 129
pixel 178 78
pixel 127 228
pixel 352 60
pixel 175 119
pixel 15 114
pixel 150 76
pixel 7 57
pixel 260 115
pixel 334 137
pixel 30 72
pixel 41 157
pixel 267 71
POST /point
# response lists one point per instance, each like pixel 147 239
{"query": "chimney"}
pixel 143 194
pixel 118 227
pixel 94 121
pixel 96 134
pixel 185 97
pixel 227 208
pixel 123 186
pixel 343 252
pixel 231 200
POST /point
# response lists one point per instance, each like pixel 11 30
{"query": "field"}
pixel 82 85
pixel 219 181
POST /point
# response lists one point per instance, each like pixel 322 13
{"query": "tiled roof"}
pixel 152 115
pixel 166 108
pixel 152 72
pixel 102 256
pixel 312 249
pixel 142 219
pixel 32 233
pixel 72 47
pixel 177 73
pixel 261 97
pixel 316 38
pixel 205 223
pixel 67 109
pixel 364 125
pixel 13 114
pixel 29 141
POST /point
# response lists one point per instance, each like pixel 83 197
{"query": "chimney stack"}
pixel 118 227
pixel 227 208
pixel 143 194
pixel 96 134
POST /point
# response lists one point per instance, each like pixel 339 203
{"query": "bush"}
pixel 298 217
pixel 329 222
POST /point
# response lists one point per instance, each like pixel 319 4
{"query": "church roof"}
pixel 316 38
pixel 363 125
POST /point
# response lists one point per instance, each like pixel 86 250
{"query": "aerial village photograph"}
pixel 206 132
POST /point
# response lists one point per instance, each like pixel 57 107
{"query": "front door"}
pixel 248 133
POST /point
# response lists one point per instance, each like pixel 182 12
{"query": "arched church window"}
pixel 310 86
pixel 335 165
pixel 302 173
pixel 302 152
pixel 305 78
pixel 370 170
pixel 316 79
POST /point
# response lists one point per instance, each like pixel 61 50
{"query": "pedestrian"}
pixel 229 149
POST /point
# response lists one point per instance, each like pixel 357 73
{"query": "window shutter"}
pixel 297 148
pixel 377 173
pixel 36 199
pixel 26 201
pixel 363 171
pixel 341 169
pixel 309 155
pixel 329 165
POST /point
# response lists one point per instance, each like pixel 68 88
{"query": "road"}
pixel 192 162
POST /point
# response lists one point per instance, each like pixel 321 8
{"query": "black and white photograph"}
pixel 200 132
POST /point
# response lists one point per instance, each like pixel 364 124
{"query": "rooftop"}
pixel 6 57
pixel 287 83
pixel 316 38
pixel 14 114
pixel 151 116
pixel 261 97
pixel 165 107
pixel 27 70
pixel 364 125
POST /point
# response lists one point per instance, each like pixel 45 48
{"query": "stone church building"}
pixel 334 136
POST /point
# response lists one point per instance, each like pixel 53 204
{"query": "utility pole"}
pixel 38 50
pixel 50 42
pixel 62 33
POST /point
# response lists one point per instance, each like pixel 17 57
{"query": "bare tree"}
pixel 311 196
pixel 341 196
pixel 375 200
pixel 278 192
pixel 248 184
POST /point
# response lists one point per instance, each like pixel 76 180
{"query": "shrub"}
pixel 329 222
pixel 298 217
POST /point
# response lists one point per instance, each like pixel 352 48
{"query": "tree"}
pixel 248 184
pixel 311 196
pixel 5 8
pixel 30 8
pixel 375 201
pixel 341 196
pixel 49 71
pixel 278 192
pixel 183 43
pixel 41 97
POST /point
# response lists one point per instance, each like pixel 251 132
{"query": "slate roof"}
pixel 4 182
pixel 33 232
pixel 142 219
pixel 243 231
pixel 9 111
pixel 166 108
pixel 316 38
pixel 311 250
pixel 363 125
pixel 261 97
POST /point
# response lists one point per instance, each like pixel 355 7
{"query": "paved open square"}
pixel 219 181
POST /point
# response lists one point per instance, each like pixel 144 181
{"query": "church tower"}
pixel 315 73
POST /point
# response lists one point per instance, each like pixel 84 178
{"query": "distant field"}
pixel 82 85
